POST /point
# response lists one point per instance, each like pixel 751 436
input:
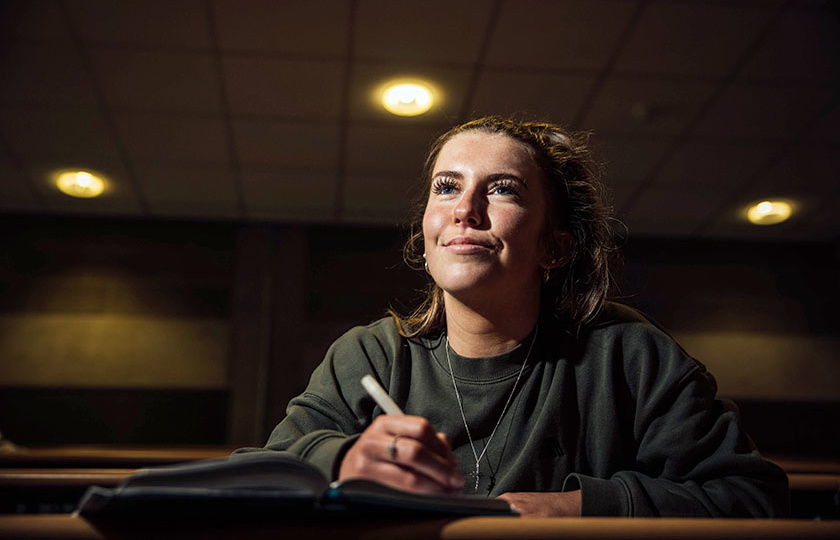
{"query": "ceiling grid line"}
pixel 344 114
pixel 224 104
pixel 104 107
pixel 21 170
pixel 469 95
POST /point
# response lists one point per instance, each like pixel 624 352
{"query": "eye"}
pixel 444 186
pixel 504 187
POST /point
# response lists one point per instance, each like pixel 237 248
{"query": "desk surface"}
pixel 65 526
pixel 106 456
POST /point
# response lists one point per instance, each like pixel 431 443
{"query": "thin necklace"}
pixel 478 457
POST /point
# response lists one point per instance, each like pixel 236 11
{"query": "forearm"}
pixel 630 493
pixel 555 504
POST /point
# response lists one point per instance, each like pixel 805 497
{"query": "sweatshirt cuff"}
pixel 599 497
pixel 326 454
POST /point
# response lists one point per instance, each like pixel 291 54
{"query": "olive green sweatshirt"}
pixel 619 411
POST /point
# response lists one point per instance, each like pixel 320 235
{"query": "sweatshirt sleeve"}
pixel 326 419
pixel 692 457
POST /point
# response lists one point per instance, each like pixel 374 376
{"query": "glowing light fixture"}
pixel 769 212
pixel 80 184
pixel 407 98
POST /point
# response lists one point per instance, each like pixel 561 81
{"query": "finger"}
pixel 413 455
pixel 408 479
pixel 444 438
pixel 418 428
pixel 369 458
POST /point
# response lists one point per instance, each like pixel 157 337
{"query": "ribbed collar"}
pixel 487 369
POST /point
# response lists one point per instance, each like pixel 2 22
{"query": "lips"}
pixel 466 244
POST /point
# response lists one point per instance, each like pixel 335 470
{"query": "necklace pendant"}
pixel 477 476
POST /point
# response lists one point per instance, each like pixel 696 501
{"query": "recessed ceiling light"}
pixel 769 212
pixel 407 98
pixel 81 184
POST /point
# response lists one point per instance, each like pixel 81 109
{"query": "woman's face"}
pixel 485 217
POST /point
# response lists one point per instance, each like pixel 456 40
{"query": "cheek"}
pixel 432 223
pixel 524 233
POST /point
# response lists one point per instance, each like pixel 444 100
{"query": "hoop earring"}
pixel 425 263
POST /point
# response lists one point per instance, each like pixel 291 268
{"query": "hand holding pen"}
pixel 402 451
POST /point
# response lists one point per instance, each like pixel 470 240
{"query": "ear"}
pixel 560 250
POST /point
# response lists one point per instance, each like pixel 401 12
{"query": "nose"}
pixel 469 209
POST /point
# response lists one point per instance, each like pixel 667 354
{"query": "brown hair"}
pixel 576 290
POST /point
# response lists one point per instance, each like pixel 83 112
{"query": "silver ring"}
pixel 392 447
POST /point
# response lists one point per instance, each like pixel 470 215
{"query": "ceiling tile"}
pixel 299 27
pixel 803 44
pixel 544 34
pixel 628 159
pixel 285 195
pixel 761 112
pixel 646 106
pixel 142 22
pixel 810 170
pixel 702 39
pixel 296 145
pixel 619 193
pixel 417 31
pixel 714 165
pixel 70 135
pixel 16 193
pixel 539 95
pixel 174 138
pixel 388 148
pixel 189 191
pixel 824 223
pixel 157 81
pixel 827 128
pixel 40 20
pixel 286 88
pixel 378 198
pixel 673 212
pixel 368 82
pixel 51 75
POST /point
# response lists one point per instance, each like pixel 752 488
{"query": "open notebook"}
pixel 265 484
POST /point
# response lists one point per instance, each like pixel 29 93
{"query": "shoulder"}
pixel 379 338
pixel 614 314
pixel 383 330
pixel 646 350
pixel 630 326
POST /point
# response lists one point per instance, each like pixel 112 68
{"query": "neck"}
pixel 488 329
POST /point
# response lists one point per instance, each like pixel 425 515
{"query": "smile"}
pixel 467 245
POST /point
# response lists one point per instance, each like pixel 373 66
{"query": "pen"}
pixel 380 396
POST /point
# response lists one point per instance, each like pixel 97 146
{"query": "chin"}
pixel 460 283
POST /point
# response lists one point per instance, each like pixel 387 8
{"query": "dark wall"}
pixel 259 305
pixel 114 331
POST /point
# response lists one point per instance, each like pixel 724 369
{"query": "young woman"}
pixel 518 379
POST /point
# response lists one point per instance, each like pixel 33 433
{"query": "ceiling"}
pixel 262 110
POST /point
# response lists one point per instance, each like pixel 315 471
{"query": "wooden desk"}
pixel 814 482
pixel 31 490
pixel 106 456
pixel 792 464
pixel 61 527
pixel 37 478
